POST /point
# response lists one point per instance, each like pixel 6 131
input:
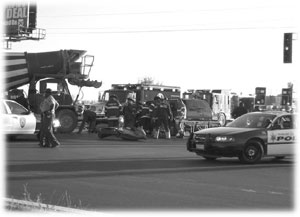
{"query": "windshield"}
pixel 16 108
pixel 252 120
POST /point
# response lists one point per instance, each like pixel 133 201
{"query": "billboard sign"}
pixel 17 15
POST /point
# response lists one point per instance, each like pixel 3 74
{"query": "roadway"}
pixel 113 174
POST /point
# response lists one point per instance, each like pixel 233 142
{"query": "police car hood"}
pixel 226 130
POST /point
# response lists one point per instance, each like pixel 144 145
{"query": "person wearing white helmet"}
pixel 163 114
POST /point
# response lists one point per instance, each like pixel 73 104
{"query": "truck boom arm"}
pixel 23 68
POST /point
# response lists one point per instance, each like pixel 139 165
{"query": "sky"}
pixel 216 44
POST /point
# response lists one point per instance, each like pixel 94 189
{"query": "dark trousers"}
pixel 91 121
pixel 146 123
pixel 47 137
pixel 163 121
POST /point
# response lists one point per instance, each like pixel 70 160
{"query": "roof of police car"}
pixel 277 113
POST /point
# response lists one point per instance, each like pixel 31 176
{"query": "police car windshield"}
pixel 252 120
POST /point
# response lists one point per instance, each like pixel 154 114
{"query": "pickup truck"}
pixel 198 116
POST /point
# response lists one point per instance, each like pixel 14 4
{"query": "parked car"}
pixel 17 120
pixel 250 138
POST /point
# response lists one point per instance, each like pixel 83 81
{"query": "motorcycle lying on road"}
pixel 122 132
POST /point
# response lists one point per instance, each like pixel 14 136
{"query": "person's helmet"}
pixel 160 96
pixel 131 97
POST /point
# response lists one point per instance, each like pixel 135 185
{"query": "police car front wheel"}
pixel 252 152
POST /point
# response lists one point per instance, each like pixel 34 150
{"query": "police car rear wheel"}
pixel 252 153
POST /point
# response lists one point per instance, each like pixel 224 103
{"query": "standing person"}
pixel 153 114
pixel 164 114
pixel 129 112
pixel 113 110
pixel 48 107
pixel 179 114
pixel 89 116
pixel 23 101
pixel 145 112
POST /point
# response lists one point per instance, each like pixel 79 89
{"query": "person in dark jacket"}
pixel 89 116
pixel 163 114
pixel 130 112
pixel 113 110
pixel 145 115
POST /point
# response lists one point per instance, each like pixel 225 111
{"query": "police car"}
pixel 250 138
pixel 17 120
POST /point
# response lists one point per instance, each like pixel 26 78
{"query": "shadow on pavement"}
pixel 117 167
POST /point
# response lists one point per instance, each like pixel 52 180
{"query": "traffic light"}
pixel 260 96
pixel 287 47
pixel 286 97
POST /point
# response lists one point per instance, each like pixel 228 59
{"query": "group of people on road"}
pixel 135 115
pixel 151 116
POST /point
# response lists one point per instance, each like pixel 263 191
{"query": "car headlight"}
pixel 224 139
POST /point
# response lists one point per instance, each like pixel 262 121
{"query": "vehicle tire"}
pixel 252 152
pixel 222 119
pixel 68 121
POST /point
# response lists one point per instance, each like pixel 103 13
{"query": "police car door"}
pixel 20 120
pixel 281 136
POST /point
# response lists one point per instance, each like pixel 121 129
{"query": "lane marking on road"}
pixel 268 192
pixel 248 190
pixel 274 192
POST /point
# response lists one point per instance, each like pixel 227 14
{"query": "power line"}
pixel 158 12
pixel 175 30
pixel 167 26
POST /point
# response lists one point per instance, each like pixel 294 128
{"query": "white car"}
pixel 17 120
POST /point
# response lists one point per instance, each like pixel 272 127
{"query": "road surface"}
pixel 113 174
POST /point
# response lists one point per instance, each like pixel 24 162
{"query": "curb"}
pixel 21 205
